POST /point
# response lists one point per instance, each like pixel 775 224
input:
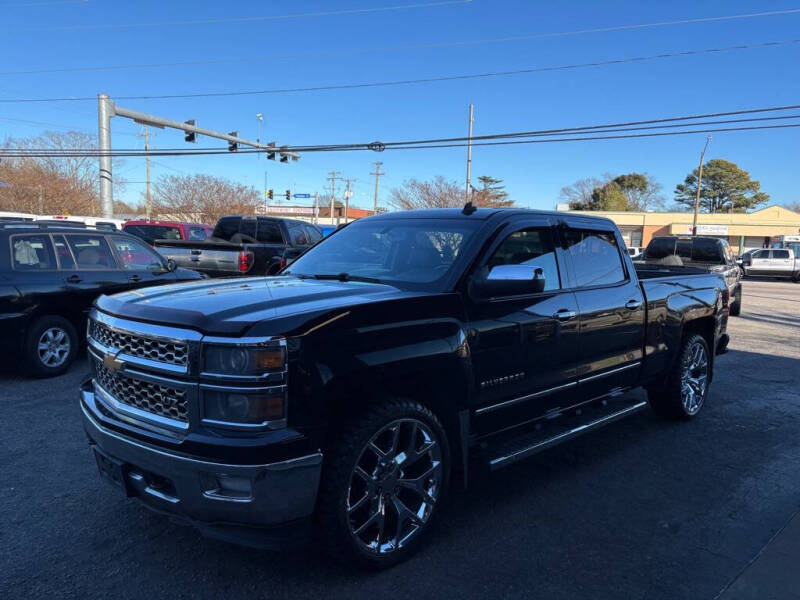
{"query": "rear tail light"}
pixel 245 261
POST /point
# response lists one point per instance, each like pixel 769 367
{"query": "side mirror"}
pixel 506 280
pixel 171 265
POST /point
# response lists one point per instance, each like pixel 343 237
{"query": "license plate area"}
pixel 113 471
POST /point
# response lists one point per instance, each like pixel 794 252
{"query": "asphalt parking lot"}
pixel 640 509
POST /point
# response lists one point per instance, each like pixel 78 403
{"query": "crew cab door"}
pixel 611 306
pixel 760 263
pixel 523 347
pixel 782 263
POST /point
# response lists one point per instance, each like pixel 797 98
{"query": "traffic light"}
pixel 190 135
pixel 271 152
pixel 233 146
pixel 288 195
pixel 284 158
pixel 270 194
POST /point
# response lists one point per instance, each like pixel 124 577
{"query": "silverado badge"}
pixel 112 363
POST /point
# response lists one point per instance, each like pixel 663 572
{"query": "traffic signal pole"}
pixel 106 109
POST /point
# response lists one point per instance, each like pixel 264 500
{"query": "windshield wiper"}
pixel 346 277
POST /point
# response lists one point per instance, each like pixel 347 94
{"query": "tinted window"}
pixel 247 230
pixel 136 256
pixel 197 233
pixel 595 257
pixel 297 234
pixel 226 228
pixel 313 234
pixel 269 232
pixel 91 251
pixel 32 252
pixel 62 251
pixel 761 254
pixel 154 232
pixel 780 254
pixel 529 247
pixel 707 251
pixel 660 247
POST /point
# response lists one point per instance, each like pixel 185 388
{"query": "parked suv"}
pixel 49 277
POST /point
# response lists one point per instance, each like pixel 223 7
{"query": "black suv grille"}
pixel 173 353
pixel 157 399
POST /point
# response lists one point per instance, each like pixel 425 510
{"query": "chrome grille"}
pixel 173 353
pixel 150 397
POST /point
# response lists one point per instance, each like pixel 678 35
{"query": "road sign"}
pixel 302 195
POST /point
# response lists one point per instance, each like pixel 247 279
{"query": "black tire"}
pixel 59 333
pixel 736 303
pixel 672 400
pixel 341 518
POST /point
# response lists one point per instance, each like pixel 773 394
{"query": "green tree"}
pixel 491 193
pixel 725 188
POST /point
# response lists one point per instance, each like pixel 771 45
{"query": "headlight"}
pixel 244 406
pixel 244 360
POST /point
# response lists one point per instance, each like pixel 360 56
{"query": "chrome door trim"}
pixel 609 372
pixel 513 401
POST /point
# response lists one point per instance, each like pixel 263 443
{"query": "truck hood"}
pixel 231 306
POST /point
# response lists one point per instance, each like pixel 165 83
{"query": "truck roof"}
pixel 480 213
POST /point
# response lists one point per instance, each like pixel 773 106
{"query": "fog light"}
pixel 221 486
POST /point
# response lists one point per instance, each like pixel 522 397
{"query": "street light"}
pixel 260 118
pixel 699 182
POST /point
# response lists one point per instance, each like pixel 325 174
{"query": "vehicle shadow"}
pixel 782 320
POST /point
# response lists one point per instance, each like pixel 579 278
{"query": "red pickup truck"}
pixel 150 231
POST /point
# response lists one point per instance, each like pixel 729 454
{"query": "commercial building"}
pixel 744 231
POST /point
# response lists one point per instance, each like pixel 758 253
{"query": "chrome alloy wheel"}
pixel 694 379
pixel 53 347
pixel 394 486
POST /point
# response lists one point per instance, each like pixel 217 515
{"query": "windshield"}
pixel 408 253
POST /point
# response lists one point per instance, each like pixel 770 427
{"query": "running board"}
pixel 523 446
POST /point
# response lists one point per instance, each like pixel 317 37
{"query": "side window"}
pixel 313 234
pixel 761 254
pixel 136 256
pixel 62 252
pixel 32 252
pixel 297 234
pixel 595 257
pixel 269 232
pixel 91 251
pixel 529 247
pixel 197 233
pixel 780 254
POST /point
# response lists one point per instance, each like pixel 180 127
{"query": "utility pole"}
pixel 41 201
pixel 332 179
pixel 699 183
pixel 347 195
pixel 469 148
pixel 377 174
pixel 148 203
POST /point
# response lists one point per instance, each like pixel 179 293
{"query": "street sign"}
pixel 302 195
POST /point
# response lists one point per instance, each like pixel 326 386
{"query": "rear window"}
pixel 226 228
pixel 154 232
pixel 32 252
pixel 660 248
pixel 707 251
pixel 197 233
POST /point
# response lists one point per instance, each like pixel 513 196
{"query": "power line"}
pixel 663 122
pixel 253 19
pixel 401 82
pixel 397 48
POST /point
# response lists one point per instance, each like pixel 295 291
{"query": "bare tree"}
pixel 437 193
pixel 52 184
pixel 202 198
pixel 580 192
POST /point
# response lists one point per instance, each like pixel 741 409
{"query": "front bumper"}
pixel 270 505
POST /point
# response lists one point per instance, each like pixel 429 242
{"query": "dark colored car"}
pixel 150 231
pixel 405 350
pixel 49 277
pixel 708 253
pixel 244 246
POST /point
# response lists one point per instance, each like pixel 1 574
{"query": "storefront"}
pixel 744 231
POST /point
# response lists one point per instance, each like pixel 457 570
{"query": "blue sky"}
pixel 356 47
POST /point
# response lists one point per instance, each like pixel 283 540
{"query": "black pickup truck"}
pixel 406 352
pixel 241 246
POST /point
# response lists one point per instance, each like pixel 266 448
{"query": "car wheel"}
pixel 736 306
pixel 50 346
pixel 687 385
pixel 383 482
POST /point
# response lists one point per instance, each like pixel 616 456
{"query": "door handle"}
pixel 195 252
pixel 73 279
pixel 633 304
pixel 134 278
pixel 565 314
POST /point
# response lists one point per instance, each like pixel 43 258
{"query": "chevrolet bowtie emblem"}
pixel 112 363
